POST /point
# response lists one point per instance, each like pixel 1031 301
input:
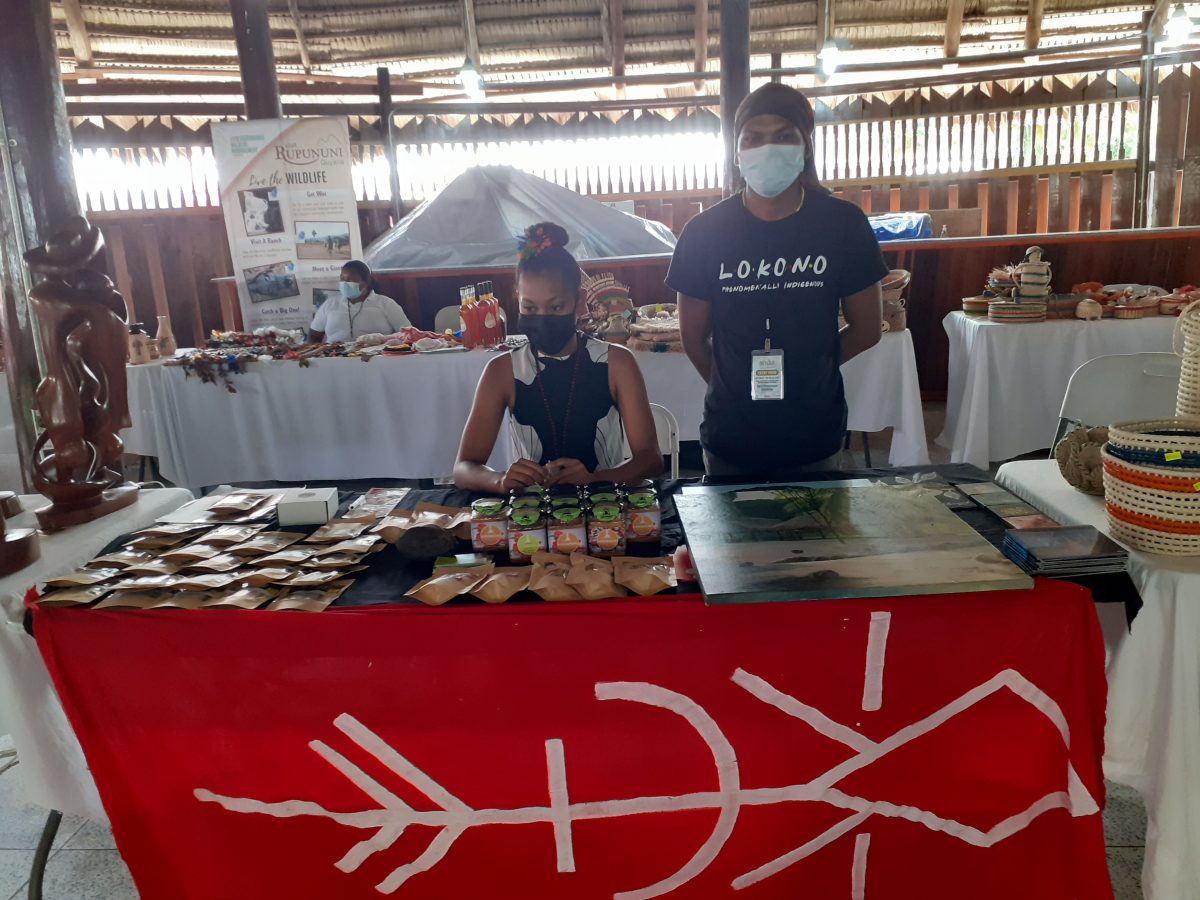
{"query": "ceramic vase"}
pixel 139 346
pixel 165 339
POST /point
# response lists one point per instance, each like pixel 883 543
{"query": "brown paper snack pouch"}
pixel 337 530
pixel 266 543
pixel 310 600
pixel 645 576
pixel 445 587
pixel 502 584
pixel 549 577
pixel 264 577
pixel 84 578
pixel 243 598
pixel 593 578
pixel 77 596
pixel 122 559
pixel 226 535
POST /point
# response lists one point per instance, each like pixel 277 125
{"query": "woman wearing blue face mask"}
pixel 572 399
pixel 358 310
pixel 761 278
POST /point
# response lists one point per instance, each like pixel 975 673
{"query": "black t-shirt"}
pixel 794 272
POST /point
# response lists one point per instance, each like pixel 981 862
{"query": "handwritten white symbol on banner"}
pixel 453 816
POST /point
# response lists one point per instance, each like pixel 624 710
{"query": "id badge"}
pixel 766 375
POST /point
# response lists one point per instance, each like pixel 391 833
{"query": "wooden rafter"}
pixel 825 27
pixel 1158 18
pixel 470 37
pixel 701 39
pixel 606 30
pixel 1033 25
pixel 294 10
pixel 954 23
pixel 81 45
pixel 616 14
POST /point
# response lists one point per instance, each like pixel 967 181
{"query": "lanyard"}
pixel 559 442
pixel 352 315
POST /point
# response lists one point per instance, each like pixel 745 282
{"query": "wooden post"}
pixel 701 41
pixel 114 237
pixel 256 59
pixel 735 78
pixel 1141 184
pixel 37 192
pixel 982 197
pixel 952 196
pixel 1107 181
pixel 1043 205
pixel 1075 203
pixel 384 80
pixel 1014 196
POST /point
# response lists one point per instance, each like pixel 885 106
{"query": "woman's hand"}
pixel 568 471
pixel 522 474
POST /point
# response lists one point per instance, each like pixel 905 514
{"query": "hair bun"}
pixel 550 231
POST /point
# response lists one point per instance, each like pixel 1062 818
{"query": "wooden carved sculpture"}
pixel 82 399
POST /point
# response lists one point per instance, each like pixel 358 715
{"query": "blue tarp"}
pixel 902 226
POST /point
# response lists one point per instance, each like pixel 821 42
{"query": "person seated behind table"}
pixel 358 311
pixel 572 399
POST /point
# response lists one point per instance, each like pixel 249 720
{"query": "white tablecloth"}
pixel 1152 736
pixel 402 417
pixel 1007 382
pixel 53 772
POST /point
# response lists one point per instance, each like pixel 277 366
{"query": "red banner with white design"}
pixel 932 747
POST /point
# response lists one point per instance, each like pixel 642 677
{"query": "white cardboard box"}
pixel 308 506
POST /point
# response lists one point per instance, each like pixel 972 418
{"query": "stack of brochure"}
pixel 1064 552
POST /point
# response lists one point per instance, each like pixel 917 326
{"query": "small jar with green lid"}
pixel 526 533
pixel 526 501
pixel 564 495
pixel 489 525
pixel 606 530
pixel 643 515
pixel 604 492
pixel 567 530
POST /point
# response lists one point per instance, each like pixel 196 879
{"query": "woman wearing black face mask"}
pixel 573 400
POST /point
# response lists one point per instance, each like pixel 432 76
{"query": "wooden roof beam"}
pixel 616 15
pixel 81 46
pixel 825 27
pixel 701 40
pixel 954 23
pixel 294 10
pixel 1033 25
pixel 470 36
pixel 1158 18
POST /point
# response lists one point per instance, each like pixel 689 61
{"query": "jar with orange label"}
pixel 643 515
pixel 489 526
pixel 526 534
pixel 606 530
pixel 567 530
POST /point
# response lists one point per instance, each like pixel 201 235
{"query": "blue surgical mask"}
pixel 769 170
pixel 350 289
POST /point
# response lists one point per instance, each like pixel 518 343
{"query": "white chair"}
pixel 447 317
pixel 1119 388
pixel 666 426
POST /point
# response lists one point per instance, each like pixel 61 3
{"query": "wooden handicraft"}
pixel 82 398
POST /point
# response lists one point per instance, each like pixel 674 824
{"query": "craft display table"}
pixel 631 748
pixel 1153 725
pixel 52 771
pixel 1007 382
pixel 342 419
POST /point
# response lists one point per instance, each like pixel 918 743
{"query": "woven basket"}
pixel 1078 456
pixel 894 284
pixel 1152 485
pixel 1159 438
pixel 1187 401
pixel 1129 312
pixel 894 315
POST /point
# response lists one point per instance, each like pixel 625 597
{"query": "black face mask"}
pixel 547 334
